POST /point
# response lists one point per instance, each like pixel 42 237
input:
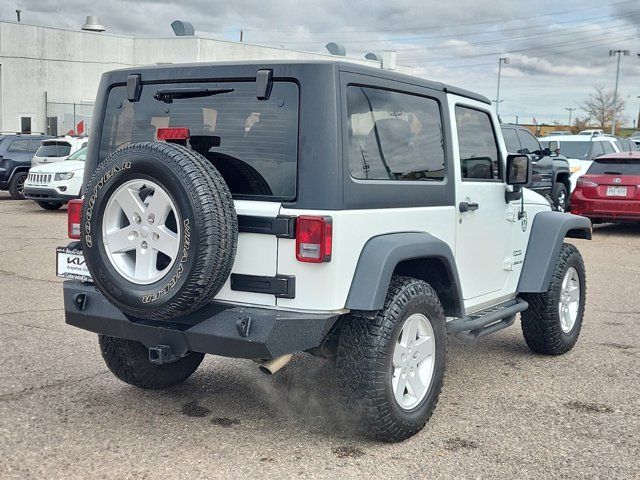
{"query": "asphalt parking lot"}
pixel 503 413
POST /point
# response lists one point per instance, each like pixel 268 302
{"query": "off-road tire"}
pixel 364 361
pixel 541 321
pixel 16 186
pixel 50 205
pixel 559 193
pixel 207 246
pixel 129 361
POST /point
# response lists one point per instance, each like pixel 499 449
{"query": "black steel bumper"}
pixel 47 195
pixel 230 331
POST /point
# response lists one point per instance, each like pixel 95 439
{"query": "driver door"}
pixel 483 228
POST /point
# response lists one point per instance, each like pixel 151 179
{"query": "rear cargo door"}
pixel 250 138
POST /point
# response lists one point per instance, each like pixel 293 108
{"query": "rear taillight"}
pixel 314 237
pixel 585 182
pixel 74 218
pixel 176 133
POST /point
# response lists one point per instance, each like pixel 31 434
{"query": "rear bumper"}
pixel 215 329
pixel 46 195
pixel 605 209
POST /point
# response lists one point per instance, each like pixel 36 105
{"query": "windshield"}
pixel 55 149
pixel 80 155
pixel 253 143
pixel 579 150
pixel 615 167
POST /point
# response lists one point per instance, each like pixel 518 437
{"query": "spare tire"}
pixel 159 230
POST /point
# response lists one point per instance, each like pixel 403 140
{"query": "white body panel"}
pixel 256 254
pixel 325 286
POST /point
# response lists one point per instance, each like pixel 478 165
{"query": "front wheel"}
pixel 552 323
pixel 16 186
pixel 560 197
pixel 391 368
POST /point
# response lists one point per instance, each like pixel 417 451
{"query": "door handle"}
pixel 468 207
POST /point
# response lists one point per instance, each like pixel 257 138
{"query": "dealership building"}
pixel 49 76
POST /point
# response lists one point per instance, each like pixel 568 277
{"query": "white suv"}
pixel 57 149
pixel 316 207
pixel 52 185
pixel 581 150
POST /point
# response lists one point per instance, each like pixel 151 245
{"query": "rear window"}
pixel 54 149
pixel 253 143
pixel 615 167
pixel 579 150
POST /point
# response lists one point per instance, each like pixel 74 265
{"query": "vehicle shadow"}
pixel 617 229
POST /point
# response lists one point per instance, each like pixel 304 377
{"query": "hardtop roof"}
pixel 343 66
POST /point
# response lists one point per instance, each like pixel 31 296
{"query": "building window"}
pixel 52 126
pixel 25 124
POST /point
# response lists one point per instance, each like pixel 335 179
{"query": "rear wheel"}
pixel 16 186
pixel 50 205
pixel 129 361
pixel 391 368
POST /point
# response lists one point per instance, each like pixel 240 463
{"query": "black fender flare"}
pixel 379 258
pixel 548 232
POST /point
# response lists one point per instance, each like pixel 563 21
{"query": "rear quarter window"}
pixel 615 167
pixel 394 136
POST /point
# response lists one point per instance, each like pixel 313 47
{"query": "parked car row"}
pixel 29 167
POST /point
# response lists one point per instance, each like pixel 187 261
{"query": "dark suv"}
pixel 551 172
pixel 16 151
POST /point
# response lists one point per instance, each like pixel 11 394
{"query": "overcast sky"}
pixel 558 51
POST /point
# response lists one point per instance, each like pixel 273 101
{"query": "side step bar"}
pixel 490 320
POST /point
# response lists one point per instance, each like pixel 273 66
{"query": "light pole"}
pixel 619 53
pixel 638 124
pixel 570 110
pixel 501 60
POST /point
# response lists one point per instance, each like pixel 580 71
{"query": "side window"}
pixel 608 147
pixel 394 136
pixel 596 149
pixel 529 142
pixel 479 155
pixel 19 146
pixel 511 140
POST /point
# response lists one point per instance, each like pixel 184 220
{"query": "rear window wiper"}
pixel 169 95
pixel 612 173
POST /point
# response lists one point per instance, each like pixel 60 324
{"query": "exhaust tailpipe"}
pixel 272 366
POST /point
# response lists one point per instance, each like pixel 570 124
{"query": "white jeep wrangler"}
pixel 257 210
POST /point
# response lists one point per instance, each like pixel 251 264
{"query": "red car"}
pixel 610 190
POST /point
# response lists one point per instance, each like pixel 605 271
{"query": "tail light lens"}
pixel 314 237
pixel 74 218
pixel 585 182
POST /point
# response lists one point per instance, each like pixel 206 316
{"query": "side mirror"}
pixel 519 173
pixel 519 170
pixel 553 150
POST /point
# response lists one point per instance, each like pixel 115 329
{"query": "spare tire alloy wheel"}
pixel 159 230
pixel 144 249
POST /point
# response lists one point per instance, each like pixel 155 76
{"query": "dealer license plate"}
pixel 70 264
pixel 616 191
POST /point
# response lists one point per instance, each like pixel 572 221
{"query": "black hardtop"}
pixel 323 180
pixel 281 68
